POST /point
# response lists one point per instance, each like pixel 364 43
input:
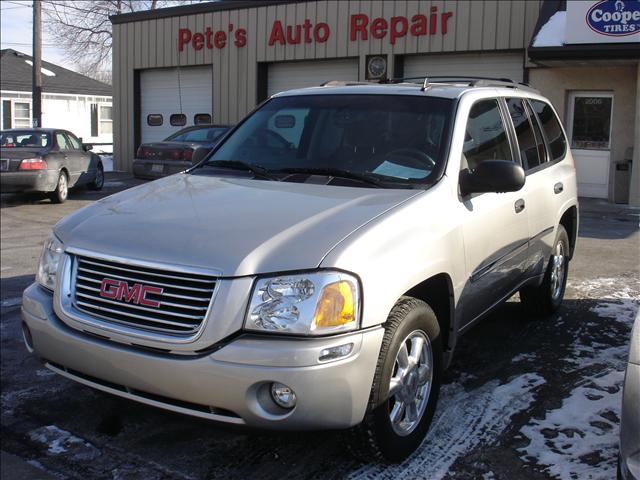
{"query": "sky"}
pixel 16 20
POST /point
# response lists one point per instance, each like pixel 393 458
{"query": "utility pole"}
pixel 37 66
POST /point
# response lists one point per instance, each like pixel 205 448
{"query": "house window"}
pixel 178 119
pixel 106 119
pixel 21 115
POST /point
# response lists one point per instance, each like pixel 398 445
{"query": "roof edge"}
pixel 222 5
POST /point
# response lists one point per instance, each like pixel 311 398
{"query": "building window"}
pixel 106 119
pixel 154 119
pixel 178 120
pixel 21 115
pixel 201 118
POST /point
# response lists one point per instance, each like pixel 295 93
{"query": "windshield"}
pixel 198 135
pixel 392 138
pixel 24 139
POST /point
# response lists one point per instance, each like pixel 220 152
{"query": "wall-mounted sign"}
pixel 361 28
pixel 604 21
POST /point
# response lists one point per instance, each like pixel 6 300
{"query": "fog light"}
pixel 333 353
pixel 284 396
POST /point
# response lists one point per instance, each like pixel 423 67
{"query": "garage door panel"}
pixel 290 75
pixel 167 91
pixel 495 65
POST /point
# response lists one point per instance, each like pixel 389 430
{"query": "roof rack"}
pixel 472 81
pixel 344 83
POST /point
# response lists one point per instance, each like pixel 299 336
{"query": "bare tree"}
pixel 83 29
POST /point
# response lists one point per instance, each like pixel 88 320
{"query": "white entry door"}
pixel 589 123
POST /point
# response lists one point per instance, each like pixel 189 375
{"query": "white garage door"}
pixel 289 75
pixel 162 91
pixel 494 65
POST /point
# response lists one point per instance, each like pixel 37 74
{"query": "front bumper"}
pixel 230 385
pixel 158 168
pixel 630 425
pixel 29 181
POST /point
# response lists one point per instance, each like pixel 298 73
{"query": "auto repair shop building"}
pixel 216 61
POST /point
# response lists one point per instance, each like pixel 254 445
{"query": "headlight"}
pixel 316 303
pixel 49 260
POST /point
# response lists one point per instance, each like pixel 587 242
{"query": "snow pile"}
pixel 579 440
pixel 107 162
pixel 464 420
pixel 552 33
pixel 60 441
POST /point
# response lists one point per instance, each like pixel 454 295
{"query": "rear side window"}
pixel 530 141
pixel 552 129
pixel 486 136
pixel 63 143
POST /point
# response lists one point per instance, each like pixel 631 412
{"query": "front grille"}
pixel 179 309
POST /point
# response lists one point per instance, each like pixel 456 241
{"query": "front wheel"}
pixel 547 297
pixel 60 194
pixel 405 386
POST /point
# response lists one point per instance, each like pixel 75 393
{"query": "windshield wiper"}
pixel 257 170
pixel 334 172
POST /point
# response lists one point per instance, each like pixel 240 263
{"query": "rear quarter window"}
pixel 552 129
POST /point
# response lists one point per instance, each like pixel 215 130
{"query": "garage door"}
pixel 289 75
pixel 496 65
pixel 171 91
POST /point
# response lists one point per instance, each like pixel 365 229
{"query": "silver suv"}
pixel 318 267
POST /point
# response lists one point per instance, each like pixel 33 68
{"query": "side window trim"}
pixel 511 131
pixel 545 140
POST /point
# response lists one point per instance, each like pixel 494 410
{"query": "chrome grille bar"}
pixel 174 303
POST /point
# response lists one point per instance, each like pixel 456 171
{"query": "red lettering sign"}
pixel 361 28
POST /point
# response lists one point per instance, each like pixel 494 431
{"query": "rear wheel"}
pixel 547 297
pixel 405 386
pixel 60 194
pixel 98 182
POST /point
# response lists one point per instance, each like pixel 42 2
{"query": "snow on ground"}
pixel 464 419
pixel 579 440
pixel 60 441
pixel 107 162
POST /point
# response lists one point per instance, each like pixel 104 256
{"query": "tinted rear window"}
pixel 24 139
pixel 552 129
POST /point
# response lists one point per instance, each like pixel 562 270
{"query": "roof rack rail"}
pixel 344 83
pixel 472 81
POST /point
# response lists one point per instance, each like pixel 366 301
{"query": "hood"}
pixel 232 225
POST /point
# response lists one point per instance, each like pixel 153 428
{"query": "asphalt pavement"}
pixel 523 399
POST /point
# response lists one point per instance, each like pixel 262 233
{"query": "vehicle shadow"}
pixel 505 345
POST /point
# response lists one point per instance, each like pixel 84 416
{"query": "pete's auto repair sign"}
pixel 361 28
pixel 604 21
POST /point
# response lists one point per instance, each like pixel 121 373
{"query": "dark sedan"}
pixel 177 152
pixel 47 160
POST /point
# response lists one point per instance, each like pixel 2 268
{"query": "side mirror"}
pixel 87 146
pixel 198 155
pixel 492 176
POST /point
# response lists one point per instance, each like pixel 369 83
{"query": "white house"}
pixel 70 100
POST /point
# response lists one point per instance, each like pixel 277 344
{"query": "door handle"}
pixel 558 188
pixel 519 205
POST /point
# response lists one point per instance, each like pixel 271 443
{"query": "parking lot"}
pixel 524 398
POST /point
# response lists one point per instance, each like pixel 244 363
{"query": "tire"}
pixel 411 320
pixel 98 182
pixel 546 298
pixel 60 194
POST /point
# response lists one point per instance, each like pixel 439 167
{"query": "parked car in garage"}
pixel 47 160
pixel 177 152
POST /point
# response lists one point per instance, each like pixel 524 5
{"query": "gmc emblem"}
pixel 137 293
